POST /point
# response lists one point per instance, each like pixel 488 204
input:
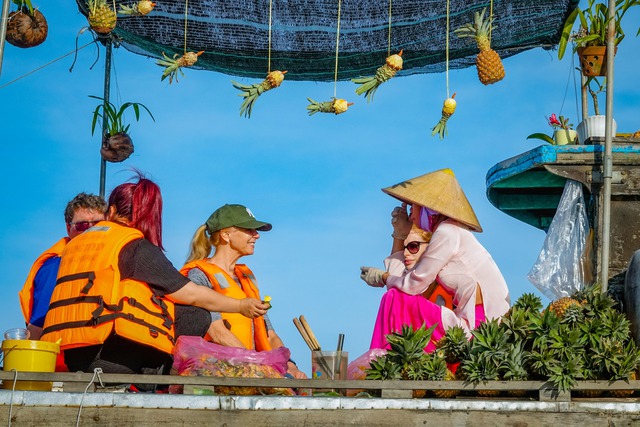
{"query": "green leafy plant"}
pixel 594 20
pixel 113 117
pixel 24 3
pixel 556 123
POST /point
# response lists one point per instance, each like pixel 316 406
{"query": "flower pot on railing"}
pixel 565 136
pixel 593 127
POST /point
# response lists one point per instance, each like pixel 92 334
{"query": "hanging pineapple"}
pixel 27 26
pixel 488 62
pixel 448 108
pixel 336 106
pixel 102 18
pixel 173 65
pixel 250 93
pixel 369 85
pixel 143 7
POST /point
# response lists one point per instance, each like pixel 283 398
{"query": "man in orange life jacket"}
pixel 82 212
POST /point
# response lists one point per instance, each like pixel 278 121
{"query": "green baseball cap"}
pixel 235 215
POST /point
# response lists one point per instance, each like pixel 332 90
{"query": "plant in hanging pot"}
pixel 563 132
pixel 27 26
pixel 591 37
pixel 117 145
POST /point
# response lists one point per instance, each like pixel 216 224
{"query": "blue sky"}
pixel 317 179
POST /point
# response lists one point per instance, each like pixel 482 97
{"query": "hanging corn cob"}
pixel 369 85
pixel 141 8
pixel 173 65
pixel 250 93
pixel 448 108
pixel 488 62
pixel 336 106
pixel 102 18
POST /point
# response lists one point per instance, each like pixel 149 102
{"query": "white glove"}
pixel 400 222
pixel 372 276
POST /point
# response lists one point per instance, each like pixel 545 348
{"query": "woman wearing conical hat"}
pixel 454 258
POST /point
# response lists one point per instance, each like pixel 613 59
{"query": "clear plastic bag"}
pixel 193 356
pixel 563 265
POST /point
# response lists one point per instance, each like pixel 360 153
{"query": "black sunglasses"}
pixel 414 247
pixel 83 225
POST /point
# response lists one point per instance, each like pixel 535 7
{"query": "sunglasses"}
pixel 414 247
pixel 83 225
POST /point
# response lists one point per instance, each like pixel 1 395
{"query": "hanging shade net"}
pixel 234 35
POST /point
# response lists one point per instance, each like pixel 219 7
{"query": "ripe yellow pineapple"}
pixel 488 62
pixel 143 7
pixel 625 393
pixel 175 64
pixel 102 17
pixel 447 394
pixel 560 306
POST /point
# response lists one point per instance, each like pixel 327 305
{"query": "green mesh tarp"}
pixel 235 33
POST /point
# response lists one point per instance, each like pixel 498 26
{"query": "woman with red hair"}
pixel 119 304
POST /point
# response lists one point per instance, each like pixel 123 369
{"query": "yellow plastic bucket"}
pixel 29 356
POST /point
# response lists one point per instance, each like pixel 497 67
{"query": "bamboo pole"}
pixel 607 160
pixel 107 86
pixel 3 29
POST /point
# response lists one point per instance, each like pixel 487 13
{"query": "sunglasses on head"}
pixel 414 247
pixel 83 225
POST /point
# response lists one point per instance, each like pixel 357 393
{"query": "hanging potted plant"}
pixel 117 145
pixel 594 126
pixel 591 37
pixel 563 132
pixel 27 26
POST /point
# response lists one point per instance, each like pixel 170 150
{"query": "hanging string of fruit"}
pixel 143 7
pixel 393 64
pixel 488 62
pixel 26 27
pixel 175 64
pixel 102 17
pixel 369 85
pixel 449 105
pixel 250 93
pixel 336 105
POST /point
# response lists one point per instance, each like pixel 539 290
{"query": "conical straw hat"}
pixel 440 192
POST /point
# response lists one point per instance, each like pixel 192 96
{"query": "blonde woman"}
pixel 231 232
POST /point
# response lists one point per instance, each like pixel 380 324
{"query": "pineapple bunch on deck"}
pixel 581 337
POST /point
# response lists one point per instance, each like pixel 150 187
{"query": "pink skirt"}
pixel 398 309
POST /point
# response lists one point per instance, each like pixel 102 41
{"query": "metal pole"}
pixel 3 29
pixel 607 160
pixel 107 85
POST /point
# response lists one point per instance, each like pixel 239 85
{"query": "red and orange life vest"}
pixel 26 293
pixel 90 300
pixel 248 331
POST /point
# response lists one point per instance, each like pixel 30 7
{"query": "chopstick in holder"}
pixel 312 336
pixel 303 333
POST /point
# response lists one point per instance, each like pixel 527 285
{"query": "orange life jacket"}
pixel 26 293
pixel 90 300
pixel 248 331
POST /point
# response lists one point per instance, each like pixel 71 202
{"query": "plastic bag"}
pixel 560 268
pixel 193 356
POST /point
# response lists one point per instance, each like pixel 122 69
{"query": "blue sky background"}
pixel 317 179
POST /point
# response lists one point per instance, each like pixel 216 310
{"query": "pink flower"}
pixel 559 122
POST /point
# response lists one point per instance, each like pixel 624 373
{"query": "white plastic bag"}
pixel 559 269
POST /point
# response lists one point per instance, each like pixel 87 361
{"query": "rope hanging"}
pixel 335 73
